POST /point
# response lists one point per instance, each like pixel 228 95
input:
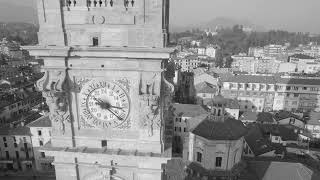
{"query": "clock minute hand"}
pixel 115 114
pixel 116 107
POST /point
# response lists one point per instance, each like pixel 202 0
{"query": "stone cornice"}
pixel 47 51
pixel 122 52
pixel 92 52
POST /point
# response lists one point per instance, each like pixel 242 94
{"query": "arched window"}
pixel 214 111
pixel 219 112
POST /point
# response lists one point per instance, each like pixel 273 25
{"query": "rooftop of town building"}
pixel 271 79
pixel 189 110
pixel 43 121
pixel 228 129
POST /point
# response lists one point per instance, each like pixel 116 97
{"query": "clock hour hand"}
pixel 98 100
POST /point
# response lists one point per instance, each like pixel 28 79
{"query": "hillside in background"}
pixel 14 12
pixel 223 22
pixel 24 33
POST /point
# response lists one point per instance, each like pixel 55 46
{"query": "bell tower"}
pixel 107 84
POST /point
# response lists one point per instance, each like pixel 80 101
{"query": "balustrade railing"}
pixel 100 3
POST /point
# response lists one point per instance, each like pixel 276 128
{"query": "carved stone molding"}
pixel 149 84
pixel 53 80
pixel 150 113
pixel 52 85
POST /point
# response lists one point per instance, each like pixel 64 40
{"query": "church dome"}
pixel 219 100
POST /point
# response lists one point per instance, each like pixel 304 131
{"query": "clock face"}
pixel 104 104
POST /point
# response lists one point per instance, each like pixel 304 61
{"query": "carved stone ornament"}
pixel 53 80
pixel 60 113
pixel 149 84
pixel 52 85
pixel 98 19
pixel 79 83
pixel 150 113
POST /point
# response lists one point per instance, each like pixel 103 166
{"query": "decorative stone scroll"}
pixel 149 98
pixel 149 84
pixel 150 113
pixel 53 87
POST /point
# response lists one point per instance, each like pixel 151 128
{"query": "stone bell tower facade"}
pixel 106 83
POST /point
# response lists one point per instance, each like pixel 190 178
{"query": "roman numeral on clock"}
pixel 122 95
pixel 122 116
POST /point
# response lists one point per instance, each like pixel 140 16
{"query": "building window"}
pixel 5 145
pixel 14 139
pixel 24 139
pixel 95 41
pixel 276 138
pixel 39 133
pixel 29 166
pixel 17 155
pixel 218 161
pixel 104 143
pixel 199 157
pixel 175 128
pixel 15 145
pixel 7 155
pixel 305 88
pixel 41 143
pixel 179 129
pixel 296 95
pixel 43 155
pixel 184 129
pixel 313 89
pixel 4 139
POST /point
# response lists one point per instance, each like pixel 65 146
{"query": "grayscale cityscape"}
pixel 159 90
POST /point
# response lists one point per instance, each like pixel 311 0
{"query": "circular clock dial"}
pixel 105 104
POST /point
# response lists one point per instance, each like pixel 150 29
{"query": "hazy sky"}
pixel 293 15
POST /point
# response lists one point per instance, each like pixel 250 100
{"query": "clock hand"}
pixel 98 100
pixel 116 107
pixel 114 114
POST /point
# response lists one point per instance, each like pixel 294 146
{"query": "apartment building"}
pixel 40 130
pixel 274 50
pixel 256 51
pixel 188 63
pixel 16 151
pixel 267 65
pixel 266 93
pixel 183 123
pixel 244 63
pixel 18 104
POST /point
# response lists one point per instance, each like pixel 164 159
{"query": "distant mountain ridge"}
pixel 14 12
pixel 217 22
